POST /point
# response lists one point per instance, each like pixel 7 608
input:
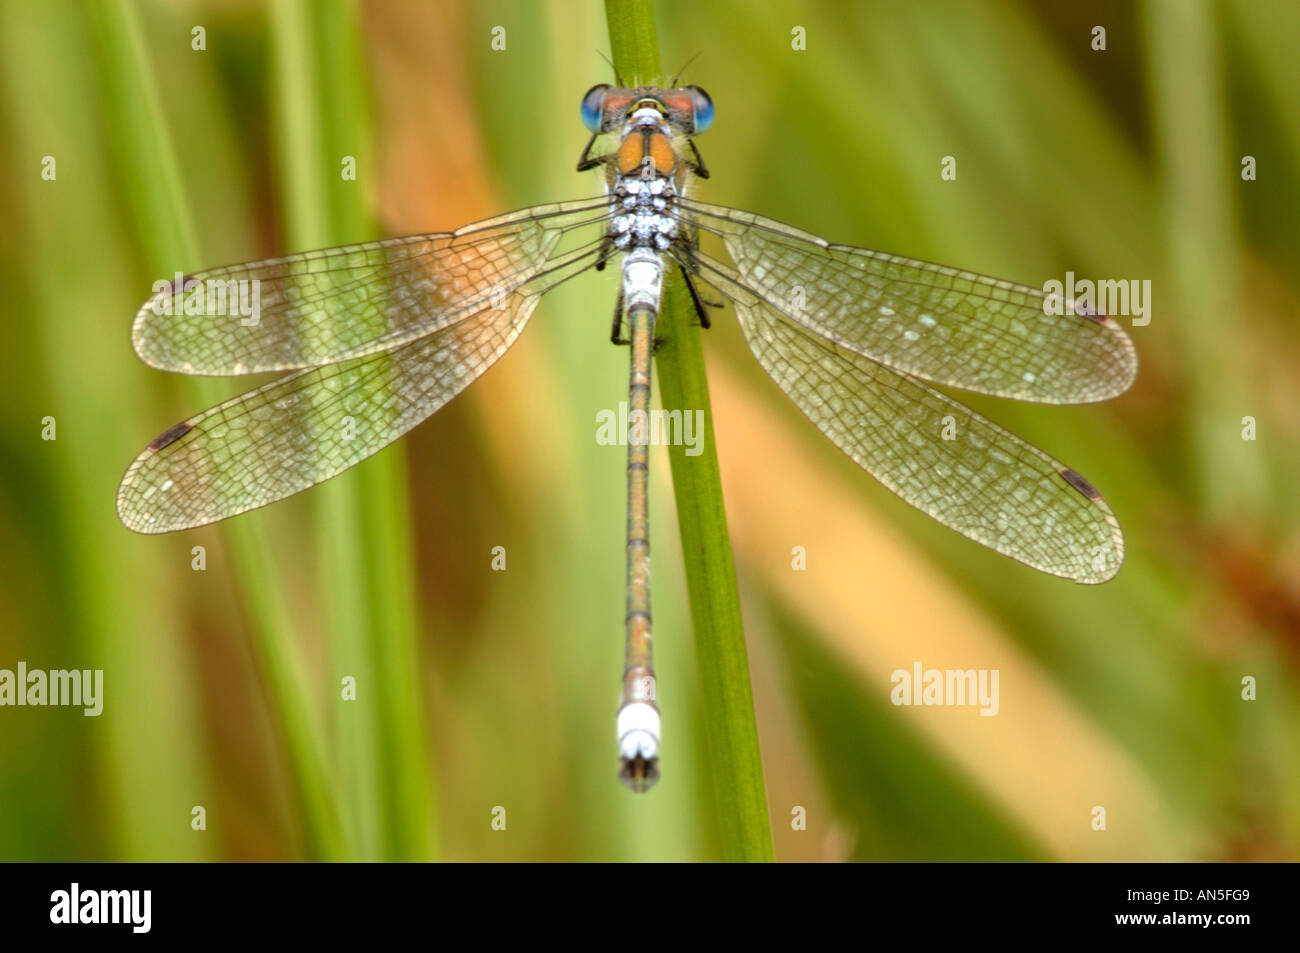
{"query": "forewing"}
pixel 984 482
pixel 937 323
pixel 303 429
pixel 335 304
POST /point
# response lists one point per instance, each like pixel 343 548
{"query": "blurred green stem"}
pixel 735 766
pixel 363 524
pixel 170 242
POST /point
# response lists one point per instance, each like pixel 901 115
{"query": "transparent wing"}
pixel 984 482
pixel 937 323
pixel 331 305
pixel 302 429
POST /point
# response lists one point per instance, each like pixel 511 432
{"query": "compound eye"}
pixel 593 107
pixel 702 108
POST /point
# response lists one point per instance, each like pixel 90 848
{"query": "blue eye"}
pixel 702 106
pixel 593 107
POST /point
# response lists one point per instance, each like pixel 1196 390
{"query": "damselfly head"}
pixel 605 107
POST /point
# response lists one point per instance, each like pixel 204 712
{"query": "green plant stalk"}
pixel 362 520
pixel 169 239
pixel 387 545
pixel 134 772
pixel 300 157
pixel 735 765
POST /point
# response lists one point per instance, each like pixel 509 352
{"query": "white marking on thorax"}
pixel 642 211
pixel 643 219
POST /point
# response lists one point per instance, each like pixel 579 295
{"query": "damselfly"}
pixel 377 336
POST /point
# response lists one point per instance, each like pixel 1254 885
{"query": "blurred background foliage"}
pixel 481 689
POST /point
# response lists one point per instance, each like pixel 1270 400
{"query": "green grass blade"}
pixel 735 765
pixel 387 547
pixel 363 518
pixel 118 785
pixel 152 180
